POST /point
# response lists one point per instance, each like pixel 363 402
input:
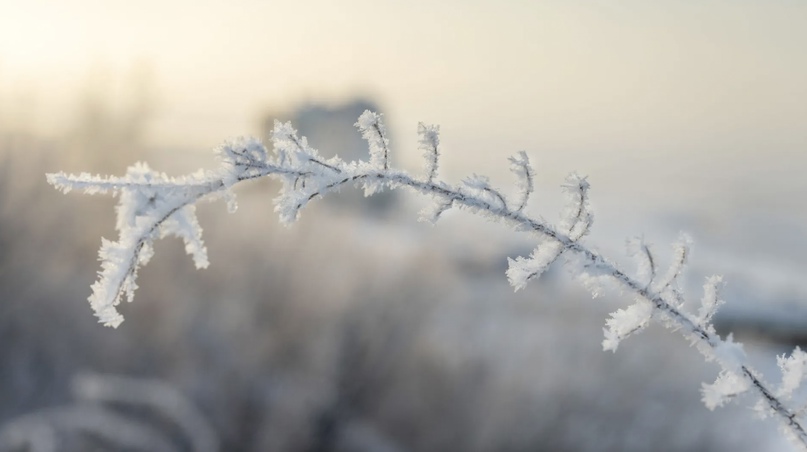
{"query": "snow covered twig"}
pixel 153 205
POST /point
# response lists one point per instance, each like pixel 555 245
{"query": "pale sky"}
pixel 613 89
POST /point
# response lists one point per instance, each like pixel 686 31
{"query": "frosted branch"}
pixel 152 205
pixel 522 270
pixel 646 263
pixel 375 133
pixel 480 185
pixel 577 218
pixel 520 166
pixel 710 301
pixel 679 261
pixel 429 144
pixel 433 212
pixel 793 369
pixel 727 386
pixel 625 322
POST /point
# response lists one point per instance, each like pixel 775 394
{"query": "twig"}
pixel 294 161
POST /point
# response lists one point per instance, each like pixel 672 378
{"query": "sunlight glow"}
pixel 579 81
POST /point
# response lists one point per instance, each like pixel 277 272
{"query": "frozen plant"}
pixel 94 418
pixel 160 398
pixel 50 430
pixel 153 205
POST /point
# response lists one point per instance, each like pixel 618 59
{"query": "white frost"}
pixel 521 270
pixel 429 144
pixel 793 369
pixel 727 386
pixel 373 130
pixel 625 322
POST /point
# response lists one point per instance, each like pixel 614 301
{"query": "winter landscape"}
pixel 342 322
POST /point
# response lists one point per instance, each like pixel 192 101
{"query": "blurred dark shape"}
pixel 330 130
pixel 781 321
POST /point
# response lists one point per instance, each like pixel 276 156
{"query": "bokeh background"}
pixel 360 329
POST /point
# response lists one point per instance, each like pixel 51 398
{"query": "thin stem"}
pixel 383 140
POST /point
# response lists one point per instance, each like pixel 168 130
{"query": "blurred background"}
pixel 360 329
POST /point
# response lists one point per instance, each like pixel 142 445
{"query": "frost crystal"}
pixel 710 301
pixel 646 264
pixel 521 270
pixel 625 322
pixel 373 130
pixel 480 187
pixel 793 371
pixel 596 276
pixel 429 143
pixel 681 251
pixel 727 386
pixel 576 218
pixel 729 354
pixel 151 205
pixel 520 166
pixel 431 213
pixel 185 225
